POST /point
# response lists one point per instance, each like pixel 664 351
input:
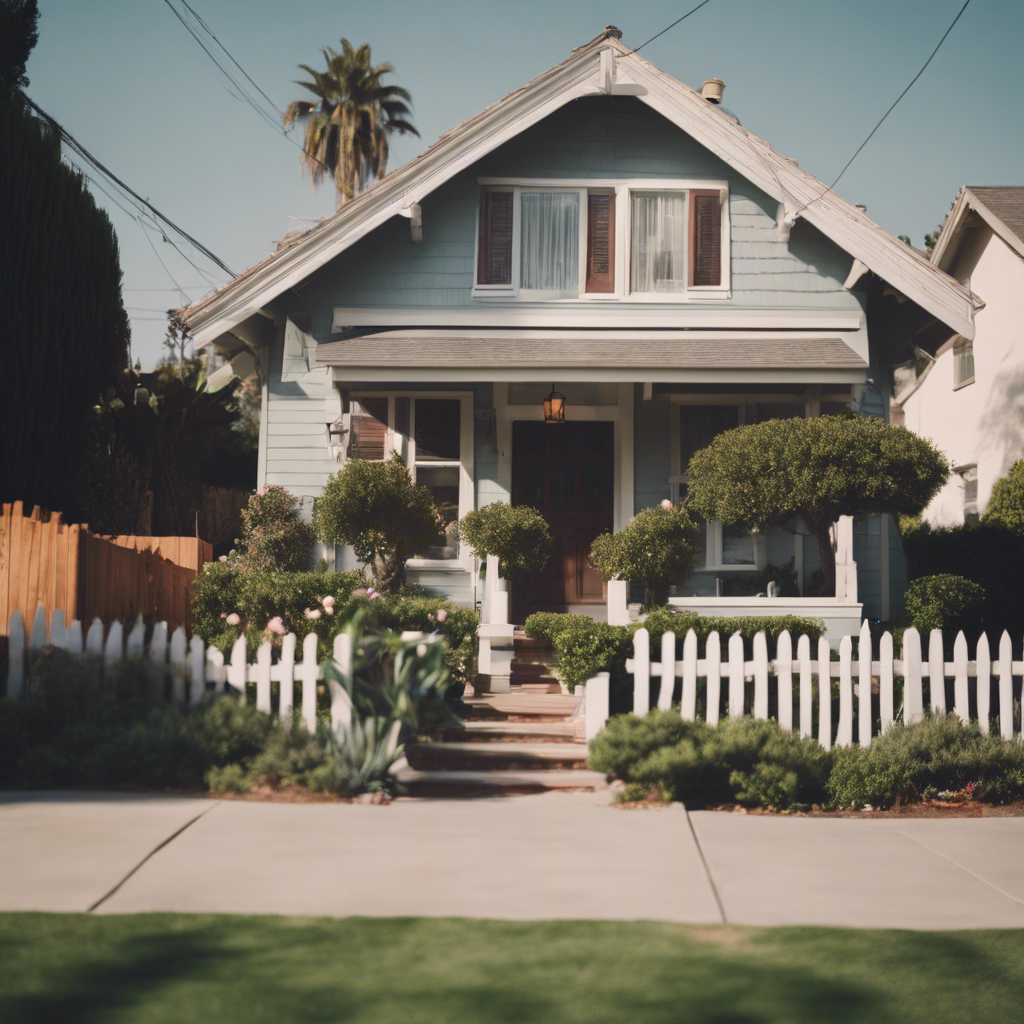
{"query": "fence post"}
pixel 668 670
pixel 865 719
pixel 760 675
pixel 58 629
pixel 844 731
pixel 936 671
pixel 237 673
pixel 94 638
pixel 15 655
pixel 113 649
pixel 618 603
pixel 784 679
pixel 913 691
pixel 74 640
pixel 641 672
pixel 713 667
pixel 736 672
pixel 961 700
pixel 196 670
pixel 341 703
pixel 309 673
pixel 263 654
pixel 1005 671
pixel 885 681
pixel 689 703
pixel 158 656
pixel 983 681
pixel 179 664
pixel 824 693
pixel 803 654
pixel 135 643
pixel 286 678
pixel 215 671
pixel 595 703
pixel 38 638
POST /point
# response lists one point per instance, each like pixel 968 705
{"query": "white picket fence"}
pixel 795 678
pixel 195 671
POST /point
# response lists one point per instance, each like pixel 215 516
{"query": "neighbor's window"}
pixel 963 364
pixel 427 433
pixel 969 475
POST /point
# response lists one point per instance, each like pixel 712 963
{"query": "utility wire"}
pixel 890 110
pixel 672 26
pixel 78 148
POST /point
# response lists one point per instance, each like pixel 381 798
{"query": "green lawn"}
pixel 181 969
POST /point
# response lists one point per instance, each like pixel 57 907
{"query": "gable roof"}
pixel 1001 207
pixel 604 65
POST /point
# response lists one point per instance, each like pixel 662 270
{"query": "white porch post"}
pixel 618 603
pixel 494 665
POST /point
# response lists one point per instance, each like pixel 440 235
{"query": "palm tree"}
pixel 347 127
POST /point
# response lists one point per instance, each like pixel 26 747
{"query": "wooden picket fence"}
pixel 87 575
pixel 194 670
pixel 795 678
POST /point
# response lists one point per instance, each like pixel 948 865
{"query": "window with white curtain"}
pixel 658 242
pixel 549 259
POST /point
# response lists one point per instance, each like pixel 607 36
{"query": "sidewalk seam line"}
pixel 956 863
pixel 707 867
pixel 156 849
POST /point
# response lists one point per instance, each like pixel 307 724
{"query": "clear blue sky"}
pixel 811 76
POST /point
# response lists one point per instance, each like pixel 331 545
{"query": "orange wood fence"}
pixel 90 576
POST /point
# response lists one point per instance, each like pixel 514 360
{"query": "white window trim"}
pixel 622 187
pixel 467 499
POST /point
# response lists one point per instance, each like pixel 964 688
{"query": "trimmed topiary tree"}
pixel 815 470
pixel 655 550
pixel 376 507
pixel 1006 506
pixel 274 537
pixel 946 602
pixel 516 534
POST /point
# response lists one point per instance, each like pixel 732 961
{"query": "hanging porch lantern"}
pixel 554 407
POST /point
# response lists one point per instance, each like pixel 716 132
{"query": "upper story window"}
pixel 963 364
pixel 637 240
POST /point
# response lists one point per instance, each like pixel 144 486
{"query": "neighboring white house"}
pixel 968 397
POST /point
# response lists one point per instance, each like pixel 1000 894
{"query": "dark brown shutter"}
pixel 706 235
pixel 370 429
pixel 495 255
pixel 600 242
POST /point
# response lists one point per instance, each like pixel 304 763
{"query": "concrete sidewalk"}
pixel 556 855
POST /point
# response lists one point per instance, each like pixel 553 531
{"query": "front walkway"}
pixel 556 855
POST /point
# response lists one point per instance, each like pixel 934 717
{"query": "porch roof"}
pixel 593 355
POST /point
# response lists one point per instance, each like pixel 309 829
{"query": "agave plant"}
pixel 366 750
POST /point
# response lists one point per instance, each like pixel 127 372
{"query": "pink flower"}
pixel 276 625
pixel 666 504
pixel 312 613
pixel 223 615
pixel 328 611
pixel 328 601
pixel 373 594
pixel 223 558
pixel 234 619
pixel 442 614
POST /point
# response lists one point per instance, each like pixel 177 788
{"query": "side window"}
pixel 969 475
pixel 963 364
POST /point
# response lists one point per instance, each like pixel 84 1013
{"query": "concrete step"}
pixel 536 686
pixel 518 705
pixel 515 732
pixel 492 783
pixel 517 757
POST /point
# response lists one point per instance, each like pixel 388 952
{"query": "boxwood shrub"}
pixel 946 602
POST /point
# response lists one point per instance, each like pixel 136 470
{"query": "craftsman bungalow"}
pixel 611 234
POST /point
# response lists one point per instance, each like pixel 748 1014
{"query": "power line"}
pixel 890 110
pixel 78 148
pixel 673 25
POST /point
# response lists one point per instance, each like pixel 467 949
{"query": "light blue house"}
pixel 613 235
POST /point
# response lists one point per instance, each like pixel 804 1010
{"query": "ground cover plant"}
pixel 228 969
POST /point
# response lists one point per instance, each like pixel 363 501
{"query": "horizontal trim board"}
pixel 601 375
pixel 607 315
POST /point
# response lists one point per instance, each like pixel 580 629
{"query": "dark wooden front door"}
pixel 566 471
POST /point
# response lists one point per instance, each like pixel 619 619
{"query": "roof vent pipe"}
pixel 712 90
pixel 611 30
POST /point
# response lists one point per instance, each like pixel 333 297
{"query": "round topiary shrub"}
pixel 656 550
pixel 1006 506
pixel 945 602
pixel 274 537
pixel 376 507
pixel 516 534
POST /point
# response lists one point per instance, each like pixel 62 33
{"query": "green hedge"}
pixel 946 602
pixel 756 763
pixel 257 597
pixel 584 647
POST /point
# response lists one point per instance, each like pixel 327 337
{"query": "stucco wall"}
pixel 983 422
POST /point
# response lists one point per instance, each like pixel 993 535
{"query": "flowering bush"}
pixel 274 537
